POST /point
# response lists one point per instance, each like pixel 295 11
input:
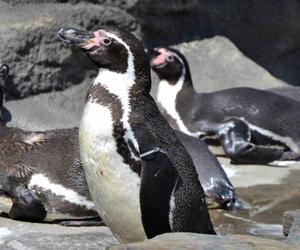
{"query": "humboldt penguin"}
pixel 41 176
pixel 141 178
pixel 251 125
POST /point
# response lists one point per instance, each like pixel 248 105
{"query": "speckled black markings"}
pixel 102 96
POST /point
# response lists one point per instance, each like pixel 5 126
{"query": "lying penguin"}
pixel 141 179
pixel 219 192
pixel 252 126
pixel 41 176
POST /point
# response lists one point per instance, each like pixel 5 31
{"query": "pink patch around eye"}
pixel 95 41
pixel 160 59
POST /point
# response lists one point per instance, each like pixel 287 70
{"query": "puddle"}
pixel 266 192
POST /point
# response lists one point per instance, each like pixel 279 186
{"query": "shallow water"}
pixel 266 192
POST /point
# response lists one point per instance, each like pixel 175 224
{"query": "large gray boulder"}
pixel 39 61
pixel 16 235
pixel 61 109
pixel 265 31
pixel 216 63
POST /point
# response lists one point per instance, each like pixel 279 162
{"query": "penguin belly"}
pixel 114 187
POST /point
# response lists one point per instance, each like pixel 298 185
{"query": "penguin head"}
pixel 4 71
pixel 169 64
pixel 110 48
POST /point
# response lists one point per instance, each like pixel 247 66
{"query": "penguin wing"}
pixel 158 178
pixel 26 206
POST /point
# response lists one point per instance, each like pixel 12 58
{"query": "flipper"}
pixel 235 136
pixel 26 206
pixel 158 179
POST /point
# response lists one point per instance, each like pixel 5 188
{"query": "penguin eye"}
pixel 170 58
pixel 106 41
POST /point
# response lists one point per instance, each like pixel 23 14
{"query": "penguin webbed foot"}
pixel 235 137
pixel 26 206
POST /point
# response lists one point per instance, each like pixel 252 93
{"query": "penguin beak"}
pixel 77 37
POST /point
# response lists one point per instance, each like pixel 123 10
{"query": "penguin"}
pixel 41 176
pixel 251 125
pixel 41 173
pixel 141 179
pixel 219 192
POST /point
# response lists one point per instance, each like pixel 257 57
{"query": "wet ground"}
pixel 266 192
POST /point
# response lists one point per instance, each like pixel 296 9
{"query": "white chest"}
pixel 114 187
pixel 166 97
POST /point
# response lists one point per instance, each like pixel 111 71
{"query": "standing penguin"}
pixel 141 179
pixel 253 126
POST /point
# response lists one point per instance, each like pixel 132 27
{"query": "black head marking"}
pixel 169 64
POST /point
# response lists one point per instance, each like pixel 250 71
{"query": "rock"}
pixel 202 241
pixel 216 63
pixel 265 31
pixel 61 109
pixel 39 61
pixel 24 235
